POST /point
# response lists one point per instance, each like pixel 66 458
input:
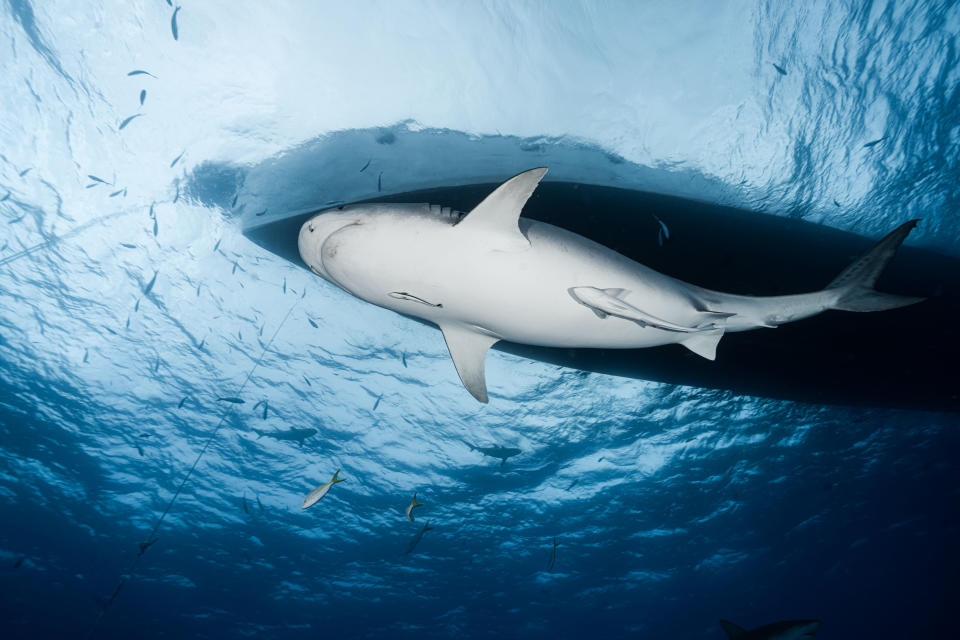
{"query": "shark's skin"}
pixel 415 540
pixel 491 275
pixel 785 630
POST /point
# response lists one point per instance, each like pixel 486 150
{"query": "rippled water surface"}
pixel 131 300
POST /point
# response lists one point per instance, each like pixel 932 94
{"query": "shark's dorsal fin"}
pixel 733 631
pixel 497 216
pixel 468 348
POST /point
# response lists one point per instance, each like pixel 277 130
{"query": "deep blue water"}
pixel 129 281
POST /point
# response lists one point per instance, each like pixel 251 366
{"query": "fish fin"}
pixel 616 293
pixel 599 314
pixel 704 343
pixel 468 349
pixel 858 279
pixel 733 631
pixel 499 213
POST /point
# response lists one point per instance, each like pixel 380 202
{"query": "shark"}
pixel 293 434
pixel 784 630
pixel 496 451
pixel 492 275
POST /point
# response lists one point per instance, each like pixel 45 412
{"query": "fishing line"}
pixel 55 239
pixel 125 577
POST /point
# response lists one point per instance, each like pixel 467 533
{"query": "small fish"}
pixel 5 197
pixel 217 246
pixel 307 380
pixel 553 555
pixel 149 287
pixel 128 245
pixel 110 330
pixel 143 96
pixel 25 172
pixel 96 179
pixel 234 203
pixel 116 193
pixel 573 484
pixel 779 69
pixel 379 183
pixel 198 290
pixel 239 335
pixel 202 342
pixel 245 510
pixel 413 505
pixel 176 196
pixel 139 449
pixel 234 267
pixel 86 355
pixel 314 496
pixel 16 565
pixel 304 295
pixel 145 435
pixel 231 400
pixel 874 143
pixel 156 367
pixel 403 359
pixel 663 234
pixel 152 213
pixel 180 406
pixel 366 165
pixel 145 545
pixel 156 228
pixel 173 24
pixel 177 159
pixel 136 307
pixel 415 540
pixel 284 285
pixel 265 406
pixel 836 203
pixel 129 120
pixel 377 403
pixel 312 323
pixel 141 72
pixel 259 504
pixel 260 213
pixel 128 322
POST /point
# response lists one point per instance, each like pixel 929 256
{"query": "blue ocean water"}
pixel 131 301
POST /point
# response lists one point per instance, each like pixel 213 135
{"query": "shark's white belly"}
pixel 520 296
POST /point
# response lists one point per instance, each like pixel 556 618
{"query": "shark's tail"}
pixel 260 433
pixel 472 448
pixel 855 283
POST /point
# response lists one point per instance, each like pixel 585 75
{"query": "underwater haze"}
pixel 174 382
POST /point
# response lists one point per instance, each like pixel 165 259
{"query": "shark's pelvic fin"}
pixel 704 343
pixel 733 631
pixel 858 279
pixel 498 214
pixel 468 348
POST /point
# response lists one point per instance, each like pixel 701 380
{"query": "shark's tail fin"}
pixel 856 281
pixel 733 631
pixel 472 448
pixel 427 527
pixel 260 433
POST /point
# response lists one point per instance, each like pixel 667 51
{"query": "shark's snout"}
pixel 314 233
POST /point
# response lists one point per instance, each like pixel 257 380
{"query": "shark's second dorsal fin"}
pixel 497 216
pixel 733 631
pixel 468 348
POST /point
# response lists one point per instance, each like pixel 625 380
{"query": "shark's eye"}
pixel 310 228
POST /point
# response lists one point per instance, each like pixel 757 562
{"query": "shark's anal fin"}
pixel 733 631
pixel 468 348
pixel 497 217
pixel 704 343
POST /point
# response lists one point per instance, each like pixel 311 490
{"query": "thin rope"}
pixel 55 239
pixel 152 537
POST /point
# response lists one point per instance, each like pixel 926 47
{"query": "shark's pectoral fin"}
pixel 704 343
pixel 600 314
pixel 733 631
pixel 497 216
pixel 468 348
